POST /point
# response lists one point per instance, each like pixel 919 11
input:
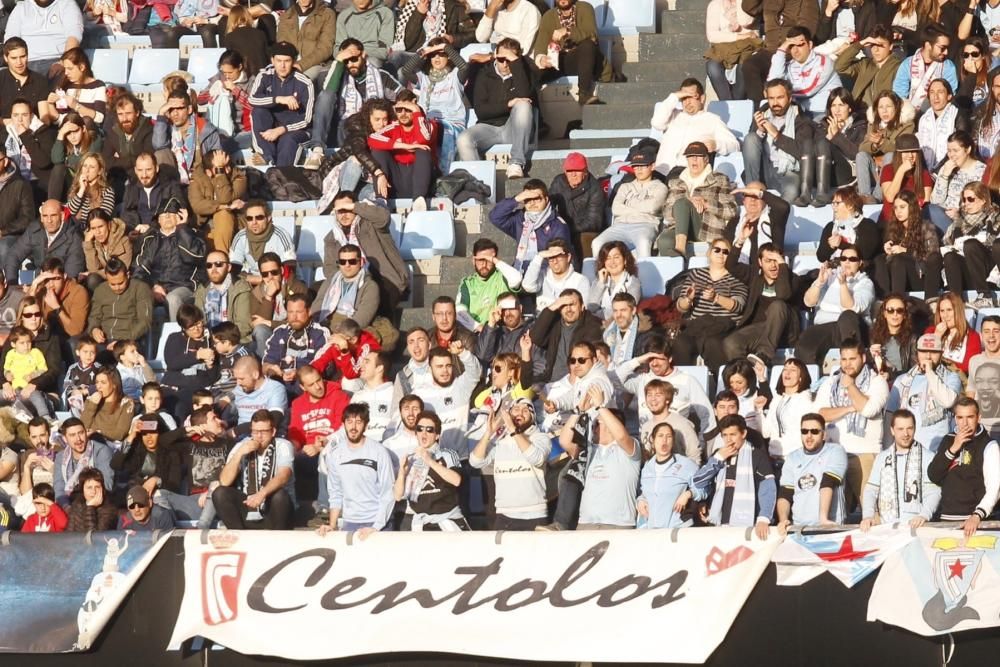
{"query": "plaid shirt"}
pixel 720 205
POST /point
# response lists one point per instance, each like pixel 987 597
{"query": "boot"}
pixel 821 196
pixel 806 163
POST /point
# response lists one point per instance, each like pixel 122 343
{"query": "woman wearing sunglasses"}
pixel 973 67
pixel 912 259
pixel 849 226
pixel 961 341
pixel 30 317
pixel 428 480
pixel 961 167
pixel 711 300
pixel 968 242
pixel 894 342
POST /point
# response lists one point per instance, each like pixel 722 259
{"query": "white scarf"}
pixel 694 182
pixel 782 161
pixel 527 244
pixel 351 99
pixel 743 508
pixel 921 75
pixel 763 233
pixel 621 346
pixel 334 295
pixel 888 493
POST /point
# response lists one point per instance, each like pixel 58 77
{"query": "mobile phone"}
pixel 148 426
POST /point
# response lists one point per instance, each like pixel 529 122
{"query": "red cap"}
pixel 575 162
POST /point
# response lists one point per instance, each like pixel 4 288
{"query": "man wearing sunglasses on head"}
pixel 811 491
pixel 839 297
pixel 502 97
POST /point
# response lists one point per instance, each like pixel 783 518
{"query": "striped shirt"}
pixel 727 286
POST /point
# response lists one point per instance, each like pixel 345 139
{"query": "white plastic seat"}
pixel 395 228
pixel 484 170
pixel 803 264
pixel 427 234
pixel 149 66
pixel 110 65
pixel 736 114
pixel 589 268
pixel 625 17
pixel 187 44
pixel 806 224
pixel 699 373
pixel 654 272
pixel 983 314
pixel 732 166
pixel 203 64
pixel 698 262
pixel 285 223
pixel 168 328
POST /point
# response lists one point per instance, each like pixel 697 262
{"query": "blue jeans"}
pixel 186 508
pixel 868 183
pixel 260 335
pixel 516 132
pixel 723 89
pixel 937 215
pixel 324 109
pixel 758 166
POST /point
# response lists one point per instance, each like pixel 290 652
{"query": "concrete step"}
pixel 671 46
pixel 429 292
pixel 625 116
pixel 618 143
pixel 634 92
pixel 683 22
pixel 415 317
pixel 666 72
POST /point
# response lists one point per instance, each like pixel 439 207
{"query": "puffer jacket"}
pixel 119 245
pixel 581 207
pixel 314 38
pixel 173 261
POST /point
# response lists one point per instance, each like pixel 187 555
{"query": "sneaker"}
pixel 257 160
pixel 314 159
pixel 984 301
pixel 419 204
pixel 515 171
pixel 549 527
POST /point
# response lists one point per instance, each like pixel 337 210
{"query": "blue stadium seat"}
pixel 395 228
pixel 484 170
pixel 732 166
pixel 589 268
pixel 736 114
pixel 203 64
pixel 654 272
pixel 475 49
pixel 427 234
pixel 286 223
pixel 312 235
pixel 806 224
pixel 982 314
pixel 698 262
pixel 110 65
pixel 149 66
pixel 699 373
pixel 130 43
pixel 187 44
pixel 625 17
pixel 803 264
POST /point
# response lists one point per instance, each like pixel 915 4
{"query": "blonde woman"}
pixel 90 190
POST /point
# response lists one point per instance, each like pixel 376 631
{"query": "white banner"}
pixel 611 595
pixel 850 556
pixel 940 582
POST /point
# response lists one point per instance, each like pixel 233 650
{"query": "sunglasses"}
pixel 425 429
pixel 173 109
pixel 257 217
pixel 559 256
pixel 501 59
pixel 532 200
pixel 895 311
pixel 970 200
pixel 810 431
pixel 717 250
pixel 971 54
pixel 353 59
pixel 498 369
pixel 349 262
pixel 268 274
pixel 850 259
pixel 344 211
pixel 135 506
pixel 401 110
pixel 578 360
pixel 32 315
pixel 215 265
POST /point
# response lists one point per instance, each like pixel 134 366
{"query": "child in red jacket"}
pixel 48 516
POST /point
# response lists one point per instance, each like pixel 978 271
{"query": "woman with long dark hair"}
pixel 961 168
pixel 616 272
pixel 912 259
pixel 781 419
pixel 845 126
pixel 108 412
pixel 906 173
pixel 893 342
pixel 974 77
pixel 888 118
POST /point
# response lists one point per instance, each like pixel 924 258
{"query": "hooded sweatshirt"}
pixel 374 27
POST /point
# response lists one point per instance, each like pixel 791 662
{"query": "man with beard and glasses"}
pixel 811 491
pixel 478 294
pixel 48 27
pixel 559 327
pixel 360 478
pixel 259 236
pixel 256 486
pixel 447 329
pixel 517 450
pixel 222 298
pixel 779 136
pixel 181 138
pixel 146 190
pixel 899 488
pixel 914 76
pixel 127 138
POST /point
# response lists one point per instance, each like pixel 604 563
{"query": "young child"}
pixel 48 516
pixel 79 382
pixel 226 340
pixel 200 398
pixel 133 368
pixel 152 401
pixel 23 364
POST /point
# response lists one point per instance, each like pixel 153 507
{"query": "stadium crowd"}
pixel 538 398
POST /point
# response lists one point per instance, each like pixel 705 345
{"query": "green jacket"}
pixel 478 297
pixel 869 79
pixel 237 305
